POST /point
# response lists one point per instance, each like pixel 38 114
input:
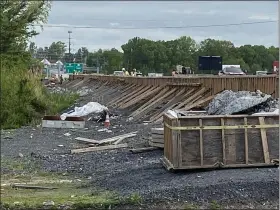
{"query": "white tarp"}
pixel 45 62
pixel 59 62
pixel 89 108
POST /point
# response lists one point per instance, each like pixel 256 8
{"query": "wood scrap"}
pixel 100 148
pixel 144 149
pixel 32 187
pixel 85 140
pixel 159 145
pixel 116 138
pixel 108 140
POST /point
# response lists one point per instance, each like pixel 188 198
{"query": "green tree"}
pixel 17 20
pixel 255 67
pixel 32 48
pixel 56 51
pixel 81 55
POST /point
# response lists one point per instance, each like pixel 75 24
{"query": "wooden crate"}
pixel 203 141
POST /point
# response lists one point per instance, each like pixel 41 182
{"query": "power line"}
pixel 158 27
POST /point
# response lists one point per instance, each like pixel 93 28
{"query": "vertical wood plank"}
pixel 246 141
pixel 201 142
pixel 179 140
pixel 264 141
pixel 175 144
pixel 223 141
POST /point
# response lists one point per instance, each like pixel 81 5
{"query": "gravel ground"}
pixel 127 173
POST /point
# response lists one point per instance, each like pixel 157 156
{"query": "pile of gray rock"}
pixel 241 102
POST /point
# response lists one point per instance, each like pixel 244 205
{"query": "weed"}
pixel 68 194
pixel 214 205
pixel 134 198
pixel 190 207
pixel 23 98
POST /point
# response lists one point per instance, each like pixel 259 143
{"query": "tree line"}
pixel 162 56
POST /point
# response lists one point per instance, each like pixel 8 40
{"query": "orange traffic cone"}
pixel 107 121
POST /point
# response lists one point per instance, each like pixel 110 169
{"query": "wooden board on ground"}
pixel 158 140
pixel 100 148
pixel 144 149
pixel 116 138
pixel 157 131
pixel 85 140
pixel 159 145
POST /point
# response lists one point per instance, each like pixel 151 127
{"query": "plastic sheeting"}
pixel 229 102
pixel 89 108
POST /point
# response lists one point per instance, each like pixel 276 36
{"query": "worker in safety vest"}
pixel 123 70
pixel 133 73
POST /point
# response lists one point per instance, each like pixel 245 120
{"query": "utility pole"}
pixel 69 32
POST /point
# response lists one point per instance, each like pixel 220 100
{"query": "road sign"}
pixel 71 67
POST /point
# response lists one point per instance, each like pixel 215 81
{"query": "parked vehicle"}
pixel 118 73
pixel 232 71
pixel 261 72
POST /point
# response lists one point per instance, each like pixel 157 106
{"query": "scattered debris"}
pixel 20 155
pixel 101 148
pixel 32 187
pixel 60 145
pixel 116 138
pixel 144 149
pixel 92 141
pixel 48 203
pixel 241 102
pixel 67 134
pixel 84 91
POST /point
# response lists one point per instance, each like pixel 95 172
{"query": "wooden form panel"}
pixel 265 83
pixel 221 141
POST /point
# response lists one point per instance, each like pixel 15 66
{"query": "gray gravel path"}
pixel 143 173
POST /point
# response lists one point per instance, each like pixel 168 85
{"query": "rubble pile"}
pixel 84 91
pixel 241 102
pixel 55 89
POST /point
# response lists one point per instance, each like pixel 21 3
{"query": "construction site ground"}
pixel 128 174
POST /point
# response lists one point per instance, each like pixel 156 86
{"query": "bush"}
pixel 23 97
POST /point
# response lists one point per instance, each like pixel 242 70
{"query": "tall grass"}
pixel 23 97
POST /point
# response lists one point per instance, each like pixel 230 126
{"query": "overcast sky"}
pixel 106 15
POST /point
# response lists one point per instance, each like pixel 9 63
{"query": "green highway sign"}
pixel 71 67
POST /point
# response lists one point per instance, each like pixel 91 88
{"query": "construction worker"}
pixel 184 70
pixel 173 72
pixel 133 73
pixel 61 79
pixel 126 73
pixel 123 70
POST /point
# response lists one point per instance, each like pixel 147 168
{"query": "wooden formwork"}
pixel 203 141
pixel 265 83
